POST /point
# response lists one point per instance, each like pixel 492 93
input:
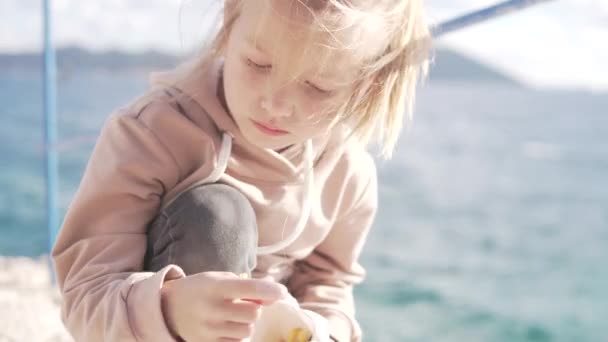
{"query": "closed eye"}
pixel 258 66
pixel 317 88
pixel 267 67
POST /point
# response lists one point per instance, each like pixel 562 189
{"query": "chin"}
pixel 263 141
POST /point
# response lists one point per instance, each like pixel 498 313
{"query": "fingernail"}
pixel 258 302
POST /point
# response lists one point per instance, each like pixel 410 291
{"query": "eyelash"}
pixel 266 68
pixel 258 66
pixel 317 89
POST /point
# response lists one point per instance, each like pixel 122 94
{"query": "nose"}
pixel 278 103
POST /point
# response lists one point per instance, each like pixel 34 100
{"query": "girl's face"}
pixel 271 112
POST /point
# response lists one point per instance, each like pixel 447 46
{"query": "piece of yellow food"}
pixel 298 335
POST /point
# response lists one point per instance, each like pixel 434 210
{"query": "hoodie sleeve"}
pixel 323 282
pixel 99 253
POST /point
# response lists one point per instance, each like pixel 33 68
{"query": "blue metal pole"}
pixel 50 131
pixel 482 15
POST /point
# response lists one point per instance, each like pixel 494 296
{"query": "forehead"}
pixel 287 32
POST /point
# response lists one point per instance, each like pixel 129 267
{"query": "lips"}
pixel 268 129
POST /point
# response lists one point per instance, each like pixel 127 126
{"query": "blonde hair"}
pixel 384 94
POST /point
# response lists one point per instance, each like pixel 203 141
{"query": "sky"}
pixel 559 44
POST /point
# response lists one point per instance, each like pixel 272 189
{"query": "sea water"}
pixel 493 218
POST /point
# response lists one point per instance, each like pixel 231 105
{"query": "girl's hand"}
pixel 216 306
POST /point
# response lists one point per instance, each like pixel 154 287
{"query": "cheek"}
pixel 318 122
pixel 239 83
pixel 247 80
pixel 319 107
pixel 246 75
pixel 321 111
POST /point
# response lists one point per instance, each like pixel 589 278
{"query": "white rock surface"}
pixel 28 302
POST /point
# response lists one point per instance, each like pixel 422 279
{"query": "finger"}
pixel 258 302
pixel 247 276
pixel 235 330
pixel 254 289
pixel 221 275
pixel 242 311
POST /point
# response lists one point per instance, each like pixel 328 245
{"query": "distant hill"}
pixel 75 58
pixel 448 65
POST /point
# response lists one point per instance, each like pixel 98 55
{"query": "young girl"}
pixel 249 160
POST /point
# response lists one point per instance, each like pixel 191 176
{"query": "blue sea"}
pixel 493 219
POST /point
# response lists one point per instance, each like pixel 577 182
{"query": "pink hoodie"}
pixel 172 139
